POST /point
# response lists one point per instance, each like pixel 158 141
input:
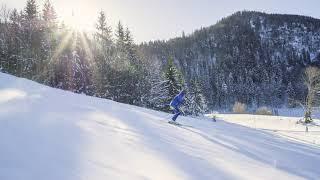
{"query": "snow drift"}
pixel 52 134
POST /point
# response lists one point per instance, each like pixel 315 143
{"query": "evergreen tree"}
pixel 81 71
pixel 103 29
pixel 104 55
pixel 196 100
pixel 14 44
pixel 49 40
pixel 130 49
pixel 120 34
pixel 121 58
pixel 174 79
pixel 163 92
pixel 291 95
pixel 32 42
pixel 15 19
pixel 31 10
pixel 49 14
pixel 128 37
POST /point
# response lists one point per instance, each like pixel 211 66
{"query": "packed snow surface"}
pixel 50 134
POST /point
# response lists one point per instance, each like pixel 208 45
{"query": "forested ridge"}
pixel 251 57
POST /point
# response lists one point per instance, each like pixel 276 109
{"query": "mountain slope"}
pixel 251 57
pixel 49 134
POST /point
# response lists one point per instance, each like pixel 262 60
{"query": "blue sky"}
pixel 164 19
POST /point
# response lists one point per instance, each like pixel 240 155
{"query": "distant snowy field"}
pixel 286 127
pixel 50 134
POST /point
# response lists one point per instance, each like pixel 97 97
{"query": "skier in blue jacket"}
pixel 175 104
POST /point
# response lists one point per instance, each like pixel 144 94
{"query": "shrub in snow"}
pixel 239 108
pixel 264 111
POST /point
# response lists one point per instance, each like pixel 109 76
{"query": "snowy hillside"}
pixel 51 134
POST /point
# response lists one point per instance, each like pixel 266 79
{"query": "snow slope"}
pixel 51 134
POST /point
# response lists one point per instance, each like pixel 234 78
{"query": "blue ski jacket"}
pixel 178 100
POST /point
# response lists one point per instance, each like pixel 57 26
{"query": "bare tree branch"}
pixel 312 82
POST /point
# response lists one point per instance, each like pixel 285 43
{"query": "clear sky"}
pixel 164 19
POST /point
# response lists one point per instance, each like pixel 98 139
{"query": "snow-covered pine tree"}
pixel 103 30
pixel 120 60
pixel 121 87
pixel 196 100
pixel 4 24
pixel 32 38
pixel 120 36
pixel 49 41
pixel 174 79
pixel 8 41
pixel 81 71
pixel 158 94
pixel 49 14
pixel 129 47
pixel 31 10
pixel 103 56
pixel 138 70
pixel 291 95
pixel 164 91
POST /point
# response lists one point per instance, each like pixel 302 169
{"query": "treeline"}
pixel 105 64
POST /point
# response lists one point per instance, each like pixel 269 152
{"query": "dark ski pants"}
pixel 176 112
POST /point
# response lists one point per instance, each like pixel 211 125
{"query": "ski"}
pixel 178 124
pixel 174 123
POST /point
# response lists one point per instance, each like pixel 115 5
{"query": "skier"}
pixel 175 104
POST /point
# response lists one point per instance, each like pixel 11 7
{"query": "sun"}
pixel 80 15
pixel 78 22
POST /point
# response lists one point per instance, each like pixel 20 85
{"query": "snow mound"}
pixel 52 134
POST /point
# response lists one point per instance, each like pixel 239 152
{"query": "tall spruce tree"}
pixel 120 35
pixel 49 14
pixel 32 32
pixel 163 92
pixel 174 79
pixel 196 100
pixel 103 57
pixel 49 40
pixel 31 10
pixel 291 95
pixel 103 29
pixel 130 49
pixel 11 50
pixel 81 75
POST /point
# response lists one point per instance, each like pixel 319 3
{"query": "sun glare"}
pixel 77 22
pixel 78 16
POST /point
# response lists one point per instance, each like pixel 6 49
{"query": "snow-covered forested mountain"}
pixel 251 57
pixel 51 134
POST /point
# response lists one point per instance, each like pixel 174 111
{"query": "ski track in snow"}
pixel 52 134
